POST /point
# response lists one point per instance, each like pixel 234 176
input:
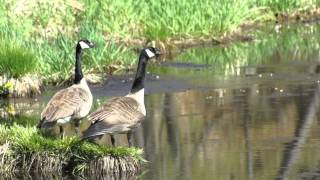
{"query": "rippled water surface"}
pixel 211 118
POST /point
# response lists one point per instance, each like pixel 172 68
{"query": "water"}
pixel 216 119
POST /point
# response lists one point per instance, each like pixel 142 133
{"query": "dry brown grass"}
pixel 26 86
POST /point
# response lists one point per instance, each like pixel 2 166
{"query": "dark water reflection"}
pixel 259 122
pixel 239 135
pixel 261 130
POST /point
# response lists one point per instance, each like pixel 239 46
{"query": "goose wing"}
pixel 65 103
pixel 117 115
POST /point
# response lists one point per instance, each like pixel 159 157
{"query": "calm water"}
pixel 216 119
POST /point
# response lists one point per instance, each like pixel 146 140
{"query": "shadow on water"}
pixel 292 150
pixel 245 111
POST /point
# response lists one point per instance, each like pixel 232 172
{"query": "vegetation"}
pixel 5 88
pixel 286 5
pixel 292 43
pixel 15 60
pixel 27 141
pixel 45 32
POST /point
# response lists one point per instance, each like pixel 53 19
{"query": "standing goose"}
pixel 122 114
pixel 72 103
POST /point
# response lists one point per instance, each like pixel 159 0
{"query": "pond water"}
pixel 242 111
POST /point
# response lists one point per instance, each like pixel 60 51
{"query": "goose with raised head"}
pixel 72 103
pixel 122 114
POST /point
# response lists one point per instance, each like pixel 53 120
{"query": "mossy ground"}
pixel 27 149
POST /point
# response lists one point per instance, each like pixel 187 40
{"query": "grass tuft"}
pixel 27 141
pixel 286 5
pixel 16 61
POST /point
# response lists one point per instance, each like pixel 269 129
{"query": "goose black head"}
pixel 151 52
pixel 84 44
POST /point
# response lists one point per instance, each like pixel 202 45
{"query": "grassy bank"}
pixel 45 32
pixel 290 45
pixel 23 148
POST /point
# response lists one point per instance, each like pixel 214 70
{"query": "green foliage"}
pixel 21 120
pixel 6 88
pixel 171 18
pixel 27 140
pixel 16 61
pixel 292 43
pixel 50 29
pixel 286 5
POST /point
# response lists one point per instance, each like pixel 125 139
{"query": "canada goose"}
pixel 72 103
pixel 122 114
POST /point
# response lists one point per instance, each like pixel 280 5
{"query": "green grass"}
pixel 21 120
pixel 172 18
pixel 48 30
pixel 286 5
pixel 293 43
pixel 27 141
pixel 15 60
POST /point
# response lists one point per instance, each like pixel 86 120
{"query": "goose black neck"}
pixel 78 71
pixel 138 82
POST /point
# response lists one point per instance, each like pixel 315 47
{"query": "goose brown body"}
pixel 118 115
pixel 67 104
pixel 122 114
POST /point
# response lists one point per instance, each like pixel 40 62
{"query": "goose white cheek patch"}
pixel 149 53
pixel 83 45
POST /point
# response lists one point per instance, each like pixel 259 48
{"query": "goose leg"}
pixel 61 132
pixel 129 135
pixel 77 125
pixel 112 140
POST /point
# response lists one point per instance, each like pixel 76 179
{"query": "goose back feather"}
pixel 118 115
pixel 73 102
